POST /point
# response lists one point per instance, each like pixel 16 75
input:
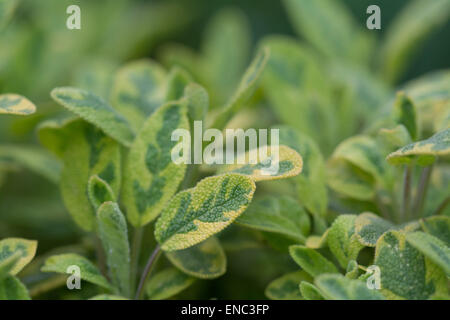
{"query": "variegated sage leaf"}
pixel 197 102
pixel 329 26
pixel 408 32
pixel 113 232
pixel 405 272
pixel 246 88
pixel 438 227
pixel 139 89
pixel 310 291
pixel 205 260
pixel 405 114
pixel 87 152
pixel 88 271
pixel 342 239
pixel 99 192
pixel 338 287
pixel 352 271
pixel 177 80
pixel 167 283
pixel 424 151
pixel 8 264
pixel 52 136
pixel 151 177
pixel 16 104
pixel 260 165
pixel 431 247
pixel 33 158
pixel 282 215
pixel 311 184
pixel 196 214
pixel 370 227
pixel 287 287
pixel 96 75
pixel 12 288
pixel 9 247
pixel 95 110
pixel 311 261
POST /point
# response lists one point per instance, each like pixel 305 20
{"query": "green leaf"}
pixel 287 287
pixel 96 75
pixel 245 90
pixel 395 137
pixel 177 80
pixel 311 261
pixel 16 104
pixel 342 240
pixel 338 287
pixel 113 232
pixel 99 192
pixel 138 91
pixel 33 158
pixel 8 264
pixel 10 246
pixel 12 289
pixel 96 111
pixel 53 136
pixel 87 152
pixel 352 271
pixel 424 151
pixel 310 291
pixel 317 242
pixel 329 26
pixel 107 297
pixel 409 30
pixel 433 248
pixel 167 283
pixel 311 184
pixel 270 165
pixel 405 114
pixel 88 271
pixel 405 272
pixel 196 214
pixel 205 260
pixel 151 177
pixel 370 227
pixel 197 102
pixel 281 215
pixel 438 227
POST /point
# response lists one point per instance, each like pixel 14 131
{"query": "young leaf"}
pixel 267 166
pixel 311 184
pixel 87 152
pixel 395 137
pixel 15 104
pixel 114 235
pixel 405 272
pixel 139 89
pixel 88 271
pixel 310 291
pixel 438 227
pixel 167 283
pixel 287 287
pixel 370 227
pixel 197 102
pixel 195 214
pixel 405 114
pixel 433 248
pixel 10 246
pixel 205 260
pixel 311 261
pixel 151 177
pixel 34 158
pixel 352 271
pixel 99 192
pixel 342 240
pixel 12 288
pixel 245 90
pixel 425 151
pixel 280 215
pixel 408 32
pixel 96 111
pixel 338 287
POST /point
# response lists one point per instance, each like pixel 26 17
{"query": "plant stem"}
pixel 406 208
pixel 422 190
pixel 442 206
pixel 148 268
pixel 135 254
